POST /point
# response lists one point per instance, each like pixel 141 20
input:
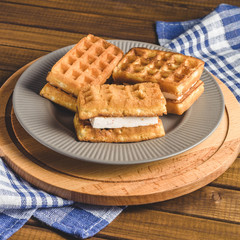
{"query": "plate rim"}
pixel 66 48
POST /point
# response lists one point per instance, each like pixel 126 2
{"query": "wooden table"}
pixel 30 29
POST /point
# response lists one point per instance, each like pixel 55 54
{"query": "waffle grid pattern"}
pixel 155 65
pixel 90 61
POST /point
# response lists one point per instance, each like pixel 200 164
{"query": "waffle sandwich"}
pixel 119 113
pixel 178 75
pixel 59 97
pixel 90 61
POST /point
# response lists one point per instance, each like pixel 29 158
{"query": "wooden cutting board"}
pixel 117 184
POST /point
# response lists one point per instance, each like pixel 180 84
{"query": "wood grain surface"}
pixel 30 29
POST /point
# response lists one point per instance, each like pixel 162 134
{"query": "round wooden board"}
pixel 117 184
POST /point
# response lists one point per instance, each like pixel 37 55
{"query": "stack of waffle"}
pixel 111 108
pixel 89 62
pixel 154 83
pixel 178 75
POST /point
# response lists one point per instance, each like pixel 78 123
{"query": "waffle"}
pixel 139 100
pixel 90 61
pixel 174 72
pixel 85 132
pixel 179 107
pixel 59 97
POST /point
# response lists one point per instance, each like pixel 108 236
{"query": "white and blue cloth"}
pixel 214 39
pixel 19 201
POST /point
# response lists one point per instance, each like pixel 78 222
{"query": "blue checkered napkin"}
pixel 19 201
pixel 215 39
pixel 79 220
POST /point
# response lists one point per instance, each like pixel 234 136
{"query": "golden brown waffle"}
pixel 60 97
pixel 85 132
pixel 90 61
pixel 139 100
pixel 179 107
pixel 175 72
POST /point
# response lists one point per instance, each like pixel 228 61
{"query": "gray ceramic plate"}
pixel 52 125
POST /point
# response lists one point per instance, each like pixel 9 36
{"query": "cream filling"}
pixel 172 96
pixel 119 122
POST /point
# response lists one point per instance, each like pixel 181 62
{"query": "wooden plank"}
pixel 36 38
pixel 34 229
pixel 61 20
pixel 32 232
pixel 231 178
pixel 21 57
pixel 4 75
pixel 208 202
pixel 139 223
pixel 123 9
pixel 141 9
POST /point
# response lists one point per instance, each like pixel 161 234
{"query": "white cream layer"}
pixel 172 96
pixel 119 122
